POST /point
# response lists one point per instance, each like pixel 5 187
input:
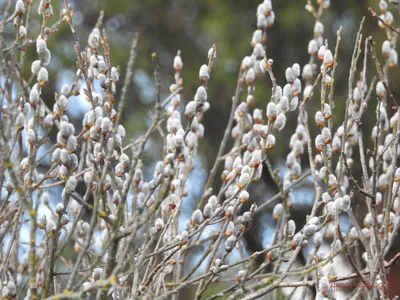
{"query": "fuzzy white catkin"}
pixel 296 170
pixel 178 64
pixel 34 96
pixel 326 198
pixel 294 103
pixel 250 76
pixel 386 48
pixel 244 179
pixel 247 62
pixel 63 102
pixel 50 226
pixel 319 142
pixel 246 218
pixel 121 131
pixel 287 90
pixel 290 76
pixel 35 67
pixel 332 180
pixel 319 118
pixel 114 74
pixel 324 284
pixel 64 129
pixel 212 52
pixel 388 17
pixel 321 52
pixel 308 91
pixel 393 58
pixel 65 157
pixel 184 236
pixel 267 6
pixel 328 58
pixel 105 125
pixel 256 157
pixel 318 28
pixel 312 47
pixel 284 104
pixel 230 229
pixel 382 6
pixel 246 168
pixel 278 92
pixel 59 208
pixel 345 203
pixel 380 89
pixel 280 121
pixel 241 275
pixel 49 10
pixel 271 19
pixel 102 79
pixel 208 210
pixel 270 141
pixel 310 229
pixel 30 137
pixel 244 195
pixel 46 57
pixel 203 73
pixel 277 211
pixel 213 201
pixel 190 109
pixel 40 45
pixel 230 243
pixel 20 120
pixel 296 87
pixel 43 75
pixel 296 69
pixel 201 95
pixel 71 184
pixel 353 234
pixel 257 114
pixel 261 21
pixel 326 135
pixel 41 222
pixel 159 224
pixel 273 254
pixel 271 111
pixel 327 111
pixel 298 238
pixel 197 217
pixel 290 227
pixel 72 143
pixel 257 37
pixel 19 7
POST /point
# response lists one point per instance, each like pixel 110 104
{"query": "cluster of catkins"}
pixel 124 201
pixel 336 198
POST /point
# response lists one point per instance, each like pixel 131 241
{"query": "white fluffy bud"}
pixel 203 73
